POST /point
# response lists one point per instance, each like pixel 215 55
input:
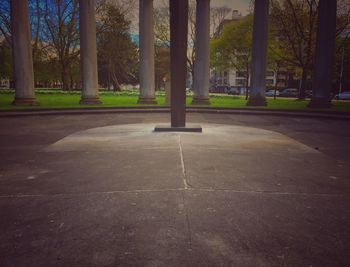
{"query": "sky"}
pixel 240 5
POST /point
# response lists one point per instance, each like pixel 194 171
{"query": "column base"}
pixel 319 103
pixel 25 102
pixel 90 101
pixel 147 101
pixel 257 101
pixel 190 128
pixel 200 101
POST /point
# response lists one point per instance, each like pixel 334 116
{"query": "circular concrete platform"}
pixel 214 136
pixel 252 191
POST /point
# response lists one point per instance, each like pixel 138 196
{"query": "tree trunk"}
pixel 115 82
pixel 71 82
pixel 276 83
pixel 192 74
pixel 247 84
pixel 303 83
pixel 157 84
pixel 65 78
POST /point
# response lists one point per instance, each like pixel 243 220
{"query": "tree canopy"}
pixel 117 54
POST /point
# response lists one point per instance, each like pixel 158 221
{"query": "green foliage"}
pixel 233 47
pixel 162 65
pixel 117 54
pixel 6 61
pixel 342 61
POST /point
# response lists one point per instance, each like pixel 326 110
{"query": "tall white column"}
pixel 201 64
pixel 147 75
pixel 259 54
pixel 88 53
pixel 22 54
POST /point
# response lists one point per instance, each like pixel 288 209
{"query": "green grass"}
pixel 58 100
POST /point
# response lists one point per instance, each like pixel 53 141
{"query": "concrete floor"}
pixel 104 190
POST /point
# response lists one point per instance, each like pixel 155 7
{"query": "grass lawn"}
pixel 58 100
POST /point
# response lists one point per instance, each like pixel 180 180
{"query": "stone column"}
pixel 259 54
pixel 147 76
pixel 88 53
pixel 178 60
pixel 325 50
pixel 22 54
pixel 201 64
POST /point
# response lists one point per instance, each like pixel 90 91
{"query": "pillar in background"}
pixel 22 54
pixel 178 60
pixel 201 64
pixel 88 53
pixel 325 49
pixel 259 54
pixel 147 76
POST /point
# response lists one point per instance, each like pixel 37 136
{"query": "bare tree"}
pixel 217 16
pixel 343 22
pixel 5 20
pixel 162 25
pixel 62 32
pixel 295 23
pixel 162 31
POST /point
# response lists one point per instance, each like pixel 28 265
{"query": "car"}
pixel 219 89
pixel 308 93
pixel 289 92
pixel 272 93
pixel 343 96
pixel 233 91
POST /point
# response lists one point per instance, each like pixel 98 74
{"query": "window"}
pixel 240 82
pixel 241 73
pixel 269 81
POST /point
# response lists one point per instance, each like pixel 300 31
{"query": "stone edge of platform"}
pixel 82 111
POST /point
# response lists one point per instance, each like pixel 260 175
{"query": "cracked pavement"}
pixel 104 190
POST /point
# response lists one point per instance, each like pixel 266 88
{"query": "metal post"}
pixel 178 60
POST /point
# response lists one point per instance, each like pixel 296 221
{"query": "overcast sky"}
pixel 240 5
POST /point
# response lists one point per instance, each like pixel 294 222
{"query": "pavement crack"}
pixel 184 175
pixel 189 231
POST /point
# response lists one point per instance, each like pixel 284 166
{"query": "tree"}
pixel 6 60
pixel 162 31
pixel 274 60
pixel 233 48
pixel 217 16
pixel 342 60
pixel 162 45
pixel 62 34
pixel 117 54
pixel 162 65
pixel 5 20
pixel 294 23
